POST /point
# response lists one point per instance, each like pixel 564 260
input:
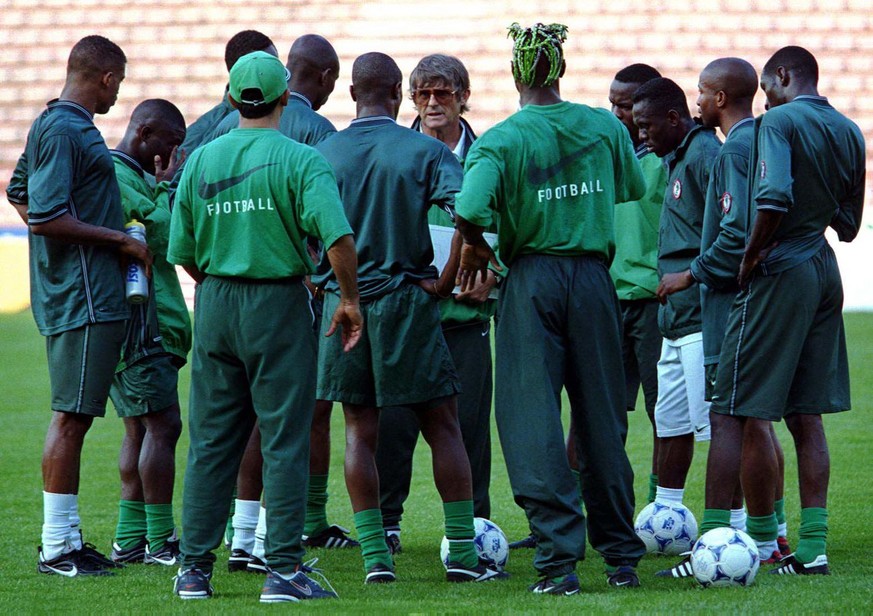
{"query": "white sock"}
pixel 783 529
pixel 245 520
pixel 260 534
pixel 738 519
pixel 665 496
pixel 766 549
pixel 56 524
pixel 75 523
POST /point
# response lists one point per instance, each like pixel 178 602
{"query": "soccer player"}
pixel 64 186
pixel 550 175
pixel 809 170
pixel 389 176
pixel 246 203
pixel 314 67
pixel 661 114
pixel 239 45
pixel 440 88
pixel 158 338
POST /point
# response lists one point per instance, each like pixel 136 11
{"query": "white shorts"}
pixel 681 407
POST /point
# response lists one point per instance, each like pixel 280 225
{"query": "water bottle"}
pixel 136 282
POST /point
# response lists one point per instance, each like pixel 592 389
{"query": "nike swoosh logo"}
pixel 73 572
pixel 538 175
pixel 622 583
pixel 306 590
pixel 208 190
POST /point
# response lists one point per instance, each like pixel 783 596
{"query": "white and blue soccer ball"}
pixel 725 557
pixel 490 543
pixel 669 529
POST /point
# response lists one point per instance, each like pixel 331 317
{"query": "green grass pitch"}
pixel 421 587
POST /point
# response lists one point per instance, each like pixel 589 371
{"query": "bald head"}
pixel 312 52
pixel 734 76
pixel 375 78
pixel 157 111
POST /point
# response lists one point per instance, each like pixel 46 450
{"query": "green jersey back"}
pixel 150 206
pixel 726 223
pixel 681 225
pixel 389 176
pixel 66 168
pixel 298 122
pixel 634 269
pixel 246 203
pixel 810 164
pixel 551 175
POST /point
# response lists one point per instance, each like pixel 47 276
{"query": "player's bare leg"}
pixel 128 460
pixel 759 475
pixel 62 452
pixel 675 454
pixel 157 459
pixel 784 547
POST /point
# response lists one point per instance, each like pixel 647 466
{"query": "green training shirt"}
pixel 681 225
pixel 246 203
pixel 634 269
pixel 550 176
pixel 198 133
pixel 726 223
pixel 389 176
pixel 809 164
pixel 66 168
pixel 298 122
pixel 150 206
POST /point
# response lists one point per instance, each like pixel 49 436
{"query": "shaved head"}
pixel 157 111
pixel 312 52
pixel 733 76
pixel 375 77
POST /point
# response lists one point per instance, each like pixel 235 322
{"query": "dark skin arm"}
pixel 344 262
pixel 673 283
pixel 443 286
pixel 766 224
pixel 166 175
pixel 67 229
pixel 195 273
pixel 21 208
pixel 475 255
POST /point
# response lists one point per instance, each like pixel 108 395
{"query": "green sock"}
pixel 762 528
pixel 372 537
pixel 460 533
pixel 779 505
pixel 131 524
pixel 159 519
pixel 813 534
pixel 653 487
pixel 715 518
pixel 316 506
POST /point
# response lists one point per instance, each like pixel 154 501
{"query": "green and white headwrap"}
pixel 530 45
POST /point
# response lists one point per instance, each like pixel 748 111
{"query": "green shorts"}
pixel 147 386
pixel 81 365
pixel 785 347
pixel 401 358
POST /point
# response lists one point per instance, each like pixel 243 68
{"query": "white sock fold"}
pixel 738 519
pixel 766 549
pixel 260 534
pixel 75 524
pixel 666 496
pixel 783 529
pixel 245 521
pixel 56 524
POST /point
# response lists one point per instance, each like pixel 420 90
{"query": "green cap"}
pixel 258 71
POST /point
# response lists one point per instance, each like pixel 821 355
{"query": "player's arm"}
pixel 16 190
pixel 344 262
pixel 847 220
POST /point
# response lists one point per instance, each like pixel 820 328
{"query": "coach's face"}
pixel 439 104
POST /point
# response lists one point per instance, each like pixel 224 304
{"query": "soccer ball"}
pixel 490 543
pixel 666 529
pixel 725 557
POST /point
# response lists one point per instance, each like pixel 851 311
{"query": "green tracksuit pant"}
pixel 560 327
pixel 254 356
pixel 470 346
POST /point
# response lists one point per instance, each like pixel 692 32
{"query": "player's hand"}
pixel 347 316
pixel 752 260
pixel 478 295
pixel 177 157
pixel 134 249
pixel 474 260
pixel 673 283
